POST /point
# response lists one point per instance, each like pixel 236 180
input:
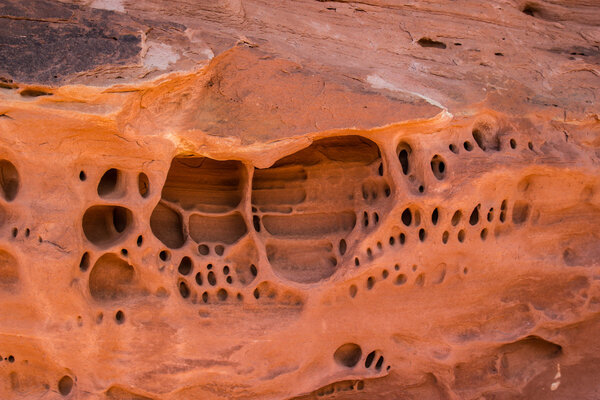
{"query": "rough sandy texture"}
pixel 308 199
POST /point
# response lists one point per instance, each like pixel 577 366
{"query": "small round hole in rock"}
pixel 140 240
pixel 422 234
pixel 456 217
pixel 513 144
pixel 483 234
pixel 370 283
pixel 84 264
pixel 356 261
pixel 392 241
pixel 402 238
pixel 82 176
pixel 212 278
pixel 434 216
pixel 385 274
pixel 185 266
pixel 403 158
pixel 407 217
pixel 468 145
pixel 15 232
pixel 421 189
pixel 253 270
pixel 124 252
pixel 353 290
pixel 474 218
pixel 184 290
pixel 203 249
pixel 205 297
pixel 229 280
pixel 256 294
pixel 65 385
pixel 400 279
pixel 143 185
pixel 461 235
pixel 219 250
pixel 438 167
pixel 342 247
pixel 222 294
pixel 164 255
pixel 530 146
pixel 348 355
pixel 226 270
pixel 199 278
pixel 445 237
pixel 387 190
pixel 397 267
pixel 369 359
pixel 379 363
pixel 453 148
pixel 119 317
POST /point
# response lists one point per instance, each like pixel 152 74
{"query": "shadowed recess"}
pixel 112 279
pixel 348 355
pixel 204 184
pixel 167 226
pixel 104 225
pixel 9 180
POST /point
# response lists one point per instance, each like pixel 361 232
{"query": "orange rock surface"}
pixel 298 200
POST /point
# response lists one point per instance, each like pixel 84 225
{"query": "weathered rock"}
pixel 299 200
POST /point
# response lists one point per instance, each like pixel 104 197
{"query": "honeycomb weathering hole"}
pixel 65 385
pixel 143 185
pixel 9 180
pixel 104 225
pixel 204 184
pixel 348 355
pixel 167 226
pixel 112 278
pixel 293 201
pixel 110 183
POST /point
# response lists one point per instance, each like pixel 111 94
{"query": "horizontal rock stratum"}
pixel 246 199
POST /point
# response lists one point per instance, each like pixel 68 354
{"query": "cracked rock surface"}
pixel 309 199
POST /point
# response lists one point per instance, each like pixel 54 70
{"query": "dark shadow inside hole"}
pixel 109 181
pixel 369 359
pixel 434 216
pixel 474 218
pixel 427 42
pixel 185 266
pixel 84 264
pixel 184 290
pixel 407 217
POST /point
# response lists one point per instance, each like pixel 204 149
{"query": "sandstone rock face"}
pixel 309 199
